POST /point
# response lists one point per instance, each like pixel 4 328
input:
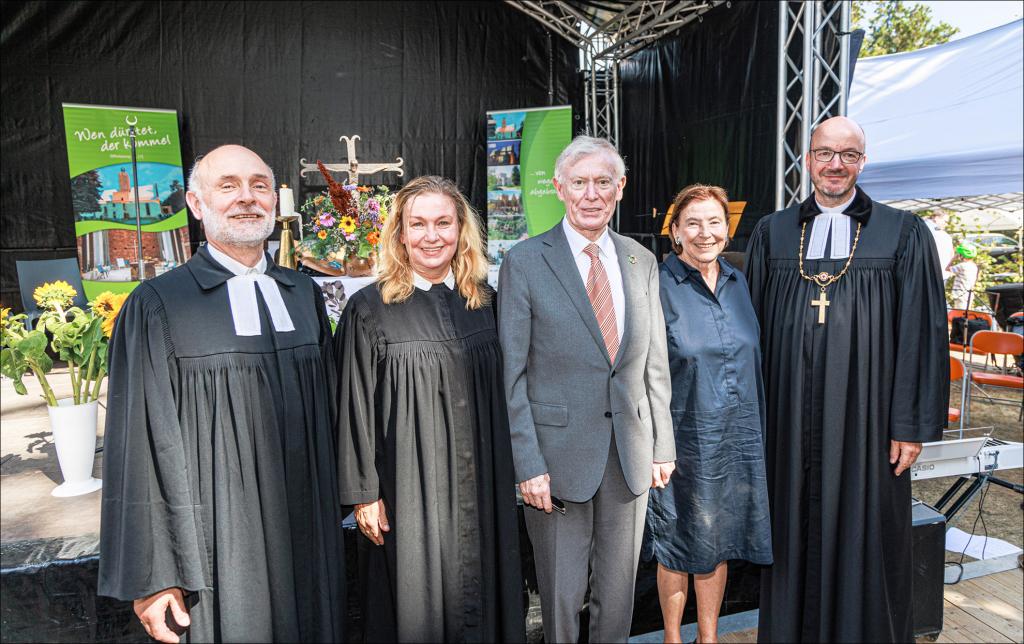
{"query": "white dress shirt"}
pixel 424 284
pixel 242 295
pixel 831 219
pixel 610 261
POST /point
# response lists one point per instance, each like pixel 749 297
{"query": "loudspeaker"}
pixel 929 536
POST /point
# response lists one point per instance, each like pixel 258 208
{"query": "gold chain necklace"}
pixel 823 279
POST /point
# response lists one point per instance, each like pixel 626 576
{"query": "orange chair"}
pixel 956 373
pixel 992 344
pixel 971 315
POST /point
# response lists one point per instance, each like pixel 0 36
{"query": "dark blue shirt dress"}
pixel 716 507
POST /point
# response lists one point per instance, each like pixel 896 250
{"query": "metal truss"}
pixel 813 83
pixel 813 64
pixel 605 33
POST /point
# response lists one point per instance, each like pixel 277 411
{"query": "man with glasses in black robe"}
pixel 849 295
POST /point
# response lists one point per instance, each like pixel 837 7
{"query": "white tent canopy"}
pixel 944 121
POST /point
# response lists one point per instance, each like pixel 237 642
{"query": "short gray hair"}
pixel 194 184
pixel 584 146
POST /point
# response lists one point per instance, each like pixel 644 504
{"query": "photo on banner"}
pixel 522 146
pixel 105 198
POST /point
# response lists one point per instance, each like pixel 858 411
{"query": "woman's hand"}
pixel 373 520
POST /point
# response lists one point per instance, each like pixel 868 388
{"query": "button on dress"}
pixel 716 506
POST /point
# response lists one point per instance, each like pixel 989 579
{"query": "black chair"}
pixel 33 273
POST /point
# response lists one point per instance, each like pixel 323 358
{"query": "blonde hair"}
pixel 690 194
pixel 395 274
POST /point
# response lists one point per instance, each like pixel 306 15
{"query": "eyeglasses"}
pixel 825 155
pixel 601 183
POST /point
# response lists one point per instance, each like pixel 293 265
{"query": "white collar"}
pixel 834 209
pixel 424 284
pixel 578 242
pixel 236 267
pixel 831 219
pixel 242 295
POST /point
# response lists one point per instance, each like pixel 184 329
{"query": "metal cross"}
pixel 354 168
pixel 821 303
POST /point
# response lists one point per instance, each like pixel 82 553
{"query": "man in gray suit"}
pixel 586 376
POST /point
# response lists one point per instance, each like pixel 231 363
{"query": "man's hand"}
pixel 152 612
pixel 537 492
pixel 661 473
pixel 905 453
pixel 373 520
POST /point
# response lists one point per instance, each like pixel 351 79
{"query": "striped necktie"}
pixel 600 293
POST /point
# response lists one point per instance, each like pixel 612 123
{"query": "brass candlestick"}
pixel 286 254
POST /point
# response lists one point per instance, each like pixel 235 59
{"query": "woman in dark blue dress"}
pixel 716 507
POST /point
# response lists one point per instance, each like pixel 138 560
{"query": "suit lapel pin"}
pixel 632 259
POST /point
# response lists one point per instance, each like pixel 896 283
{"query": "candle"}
pixel 287 199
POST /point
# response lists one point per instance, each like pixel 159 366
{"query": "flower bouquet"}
pixel 80 338
pixel 341 228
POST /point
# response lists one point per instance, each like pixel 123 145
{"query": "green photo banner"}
pixel 522 146
pixel 107 204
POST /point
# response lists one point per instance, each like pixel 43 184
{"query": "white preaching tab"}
pixel 830 219
pixel 242 295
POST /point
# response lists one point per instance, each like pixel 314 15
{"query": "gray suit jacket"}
pixel 566 400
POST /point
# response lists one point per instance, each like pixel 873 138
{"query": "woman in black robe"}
pixel 424 449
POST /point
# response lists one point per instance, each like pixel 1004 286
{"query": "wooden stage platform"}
pixel 987 608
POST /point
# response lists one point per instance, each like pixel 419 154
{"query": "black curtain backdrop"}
pixel 286 79
pixel 699 107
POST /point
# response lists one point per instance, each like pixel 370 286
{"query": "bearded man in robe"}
pixel 220 517
pixel 848 292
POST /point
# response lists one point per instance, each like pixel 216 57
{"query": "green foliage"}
pixel 24 351
pixel 896 26
pixel 86 190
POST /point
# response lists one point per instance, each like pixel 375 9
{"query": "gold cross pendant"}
pixel 821 303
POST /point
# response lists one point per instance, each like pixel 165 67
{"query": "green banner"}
pixel 112 198
pixel 522 146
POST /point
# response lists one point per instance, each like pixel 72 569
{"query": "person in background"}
pixel 423 443
pixel 716 507
pixel 965 276
pixel 936 221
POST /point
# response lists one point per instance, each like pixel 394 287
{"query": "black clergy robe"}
pixel 837 393
pixel 423 425
pixel 219 468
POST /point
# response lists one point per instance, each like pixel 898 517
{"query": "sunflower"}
pixel 54 295
pixel 348 224
pixel 108 305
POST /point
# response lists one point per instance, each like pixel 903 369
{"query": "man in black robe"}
pixel 220 502
pixel 849 296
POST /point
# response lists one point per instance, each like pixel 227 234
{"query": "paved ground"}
pixel 29 470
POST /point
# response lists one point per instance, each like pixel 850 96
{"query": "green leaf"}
pixel 19 386
pixel 12 364
pixel 364 249
pixel 32 345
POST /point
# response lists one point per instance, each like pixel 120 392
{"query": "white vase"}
pixel 74 434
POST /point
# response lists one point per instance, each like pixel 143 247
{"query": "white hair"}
pixel 584 146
